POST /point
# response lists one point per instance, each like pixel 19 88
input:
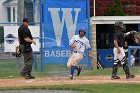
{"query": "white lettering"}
pixel 52 53
pixel 46 53
pixel 68 53
pixel 63 53
pixel 66 18
pixel 58 53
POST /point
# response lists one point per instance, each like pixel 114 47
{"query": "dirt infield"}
pixel 66 80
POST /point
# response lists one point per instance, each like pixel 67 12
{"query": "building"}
pixel 11 10
pixel 3 11
pixel 103 16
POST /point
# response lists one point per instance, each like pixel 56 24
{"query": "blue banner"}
pixel 106 57
pixel 62 20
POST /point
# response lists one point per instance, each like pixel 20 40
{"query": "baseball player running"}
pixel 78 43
pixel 119 54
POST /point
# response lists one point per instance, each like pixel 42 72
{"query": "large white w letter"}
pixel 66 17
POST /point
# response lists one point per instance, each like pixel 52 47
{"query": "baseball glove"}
pixel 18 51
pixel 136 36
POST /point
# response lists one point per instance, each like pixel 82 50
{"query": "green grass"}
pixel 87 88
pixel 106 72
pixel 100 88
pixel 8 68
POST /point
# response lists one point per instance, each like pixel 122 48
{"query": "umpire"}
pixel 25 41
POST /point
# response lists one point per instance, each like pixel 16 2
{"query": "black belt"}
pixel 77 52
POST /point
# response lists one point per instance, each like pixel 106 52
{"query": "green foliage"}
pixel 116 10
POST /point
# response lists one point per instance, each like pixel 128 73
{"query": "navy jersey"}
pixel 119 36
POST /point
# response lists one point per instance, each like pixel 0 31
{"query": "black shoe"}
pixel 26 76
pixel 115 77
pixel 71 77
pixel 130 76
pixel 31 77
pixel 79 70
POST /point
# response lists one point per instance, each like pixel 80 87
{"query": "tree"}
pixel 116 10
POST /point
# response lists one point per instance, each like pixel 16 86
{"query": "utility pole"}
pixel 20 10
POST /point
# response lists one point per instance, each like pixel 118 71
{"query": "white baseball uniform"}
pixel 77 54
pixel 120 55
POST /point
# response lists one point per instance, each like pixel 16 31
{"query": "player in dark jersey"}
pixel 119 54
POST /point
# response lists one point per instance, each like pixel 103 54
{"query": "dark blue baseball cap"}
pixel 82 30
pixel 26 20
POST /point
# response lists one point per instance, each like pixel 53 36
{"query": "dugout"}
pixel 102 30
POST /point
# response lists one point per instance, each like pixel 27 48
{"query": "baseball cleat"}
pixel 115 77
pixel 71 77
pixel 31 77
pixel 79 70
pixel 130 76
pixel 26 76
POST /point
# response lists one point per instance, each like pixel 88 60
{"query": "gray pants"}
pixel 28 62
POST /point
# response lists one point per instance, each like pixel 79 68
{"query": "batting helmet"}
pixel 82 30
pixel 119 26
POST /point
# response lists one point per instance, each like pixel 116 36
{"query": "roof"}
pixel 113 19
pixel 9 2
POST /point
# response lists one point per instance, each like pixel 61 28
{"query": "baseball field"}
pixel 55 80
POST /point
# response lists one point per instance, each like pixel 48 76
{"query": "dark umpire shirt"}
pixel 24 32
pixel 119 36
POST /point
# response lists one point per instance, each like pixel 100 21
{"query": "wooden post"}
pixel 93 44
